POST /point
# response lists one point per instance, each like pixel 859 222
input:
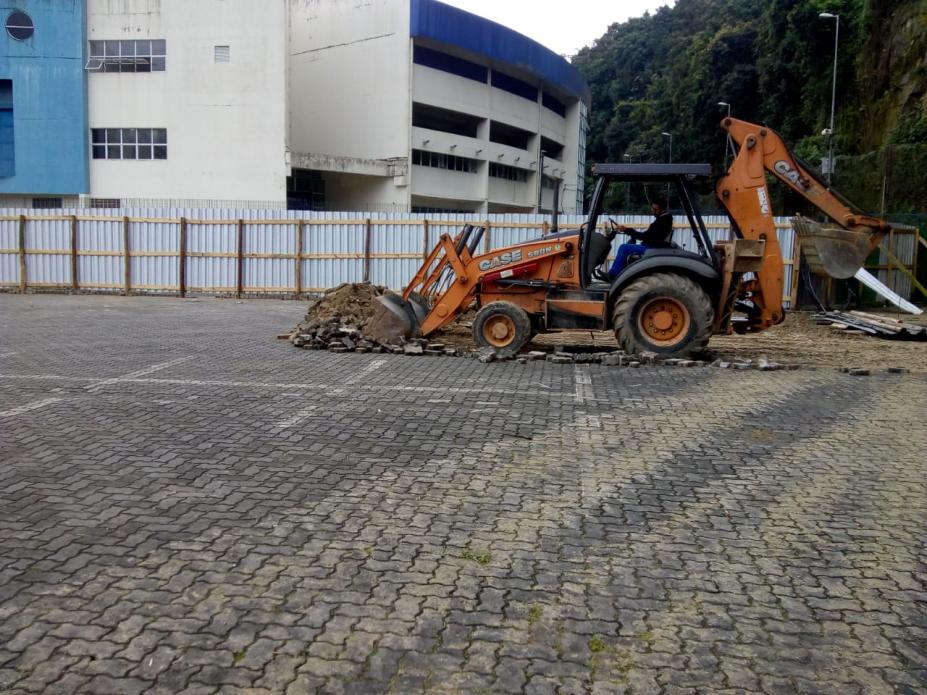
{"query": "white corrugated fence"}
pixel 266 252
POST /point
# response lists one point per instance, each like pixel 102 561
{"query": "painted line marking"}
pixel 583 380
pixel 298 417
pixel 35 405
pixel 369 369
pixel 96 381
pixel 139 373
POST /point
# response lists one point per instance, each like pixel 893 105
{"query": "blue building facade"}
pixel 43 98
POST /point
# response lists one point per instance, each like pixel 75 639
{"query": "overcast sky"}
pixel 564 26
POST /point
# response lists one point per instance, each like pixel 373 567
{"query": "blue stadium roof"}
pixel 449 25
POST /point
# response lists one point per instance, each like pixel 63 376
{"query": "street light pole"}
pixel 729 144
pixel 833 95
pixel 670 136
pixel 627 187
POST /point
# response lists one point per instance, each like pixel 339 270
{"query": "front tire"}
pixel 502 326
pixel 664 313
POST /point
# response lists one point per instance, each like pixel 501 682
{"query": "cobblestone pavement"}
pixel 188 505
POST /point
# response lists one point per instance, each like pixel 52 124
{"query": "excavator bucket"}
pixel 831 249
pixel 395 320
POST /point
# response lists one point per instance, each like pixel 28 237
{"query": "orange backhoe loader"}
pixel 667 300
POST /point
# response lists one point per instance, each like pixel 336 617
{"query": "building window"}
pixel 549 182
pixel 129 143
pixel 444 161
pixel 105 203
pixel 425 210
pixel 513 85
pixel 504 171
pixel 47 203
pixel 553 104
pixel 551 148
pixel 222 54
pixel 19 26
pixel 445 120
pixel 448 63
pixel 128 56
pixel 506 134
pixel 7 143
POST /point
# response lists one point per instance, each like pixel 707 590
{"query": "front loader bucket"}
pixel 394 320
pixel 832 250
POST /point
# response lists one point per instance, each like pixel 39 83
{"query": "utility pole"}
pixel 833 97
pixel 670 136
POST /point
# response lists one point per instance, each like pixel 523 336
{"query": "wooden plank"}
pixel 182 267
pixel 298 258
pixel 367 234
pixel 426 243
pixel 796 267
pixel 901 266
pixel 487 237
pixel 23 279
pixel 127 258
pixel 75 260
pixel 240 259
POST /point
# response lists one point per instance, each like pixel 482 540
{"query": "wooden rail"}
pixel 301 229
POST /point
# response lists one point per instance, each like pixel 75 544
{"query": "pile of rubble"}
pixel 336 323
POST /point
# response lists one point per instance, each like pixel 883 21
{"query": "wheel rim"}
pixel 664 321
pixel 499 330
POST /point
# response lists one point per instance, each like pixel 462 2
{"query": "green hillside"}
pixel 772 60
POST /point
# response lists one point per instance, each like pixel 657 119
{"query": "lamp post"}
pixel 729 145
pixel 833 96
pixel 670 136
pixel 627 186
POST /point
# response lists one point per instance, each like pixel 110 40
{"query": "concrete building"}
pixel 413 104
pixel 187 100
pixel 43 102
pixel 390 105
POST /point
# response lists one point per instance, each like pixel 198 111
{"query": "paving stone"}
pixel 244 517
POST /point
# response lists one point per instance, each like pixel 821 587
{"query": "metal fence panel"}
pixel 334 247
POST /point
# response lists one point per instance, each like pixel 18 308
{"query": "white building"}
pixel 187 100
pixel 413 104
pixel 386 105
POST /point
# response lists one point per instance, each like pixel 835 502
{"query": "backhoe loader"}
pixel 668 300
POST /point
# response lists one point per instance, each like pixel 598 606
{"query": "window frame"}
pixel 129 144
pixel 123 55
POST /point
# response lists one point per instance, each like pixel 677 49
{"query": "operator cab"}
pixel 610 200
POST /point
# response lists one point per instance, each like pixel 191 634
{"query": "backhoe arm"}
pixel 745 196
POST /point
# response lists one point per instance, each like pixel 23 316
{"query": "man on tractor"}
pixel 658 235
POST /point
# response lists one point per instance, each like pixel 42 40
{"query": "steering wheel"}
pixel 612 228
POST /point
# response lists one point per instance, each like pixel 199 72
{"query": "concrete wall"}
pixel 226 122
pixel 49 99
pixel 349 77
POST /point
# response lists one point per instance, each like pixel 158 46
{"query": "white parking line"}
pixel 370 368
pixel 296 418
pixel 583 392
pixel 35 405
pixel 96 382
pixel 139 373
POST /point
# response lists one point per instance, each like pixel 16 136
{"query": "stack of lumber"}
pixel 872 324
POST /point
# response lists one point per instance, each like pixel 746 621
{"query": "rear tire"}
pixel 664 313
pixel 502 326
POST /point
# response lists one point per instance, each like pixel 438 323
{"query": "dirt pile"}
pixel 337 319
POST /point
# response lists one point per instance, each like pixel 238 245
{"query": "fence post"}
pixel 23 280
pixel 240 260
pixel 426 245
pixel 367 233
pixel 182 269
pixel 298 270
pixel 796 272
pixel 127 258
pixel 75 265
pixel 545 228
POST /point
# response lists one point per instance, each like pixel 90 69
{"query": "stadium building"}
pixel 387 105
